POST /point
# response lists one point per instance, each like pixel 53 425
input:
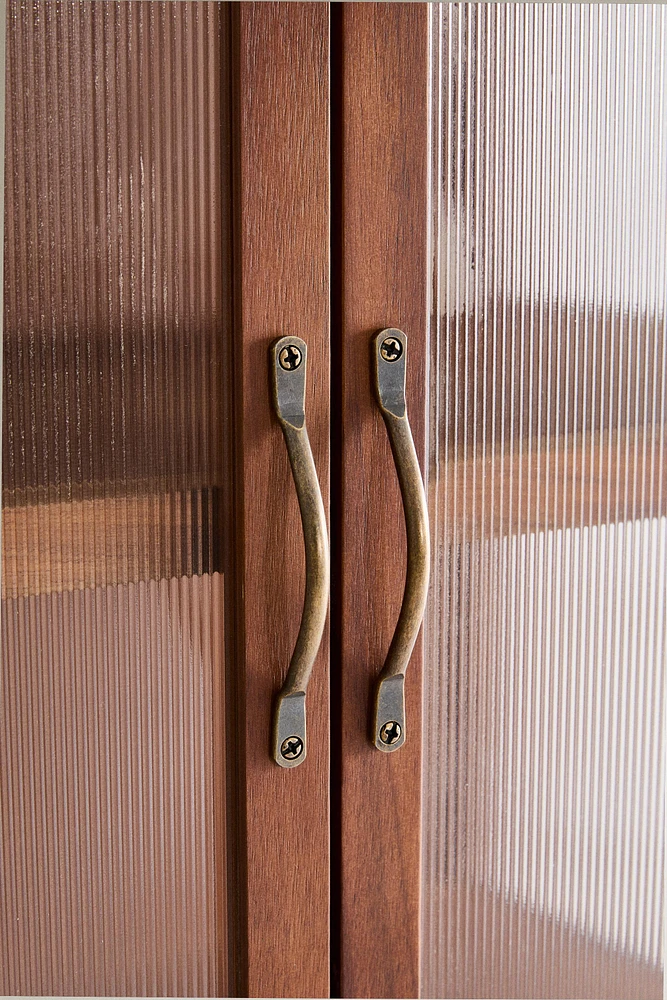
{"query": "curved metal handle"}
pixel 390 350
pixel 288 369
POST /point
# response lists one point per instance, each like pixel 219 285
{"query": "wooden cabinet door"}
pixel 283 266
pixel 494 188
pixel 166 219
pixel 499 195
pixel 379 216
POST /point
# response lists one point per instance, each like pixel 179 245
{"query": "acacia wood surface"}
pixel 282 262
pixel 381 169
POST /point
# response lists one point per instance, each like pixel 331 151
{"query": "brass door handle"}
pixel 390 350
pixel 288 370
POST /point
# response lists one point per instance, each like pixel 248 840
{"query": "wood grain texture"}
pixel 282 287
pixel 381 165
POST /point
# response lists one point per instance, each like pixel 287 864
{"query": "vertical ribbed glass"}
pixel 111 702
pixel 544 703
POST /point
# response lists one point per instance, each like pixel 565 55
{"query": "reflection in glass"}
pixel 110 699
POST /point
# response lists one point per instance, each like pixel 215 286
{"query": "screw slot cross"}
pixel 391 349
pixel 290 358
pixel 390 733
pixel 292 747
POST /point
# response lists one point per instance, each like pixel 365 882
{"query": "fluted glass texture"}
pixel 544 702
pixel 112 861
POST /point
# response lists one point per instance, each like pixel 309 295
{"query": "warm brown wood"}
pixel 563 482
pixel 103 541
pixel 381 163
pixel 580 480
pixel 282 267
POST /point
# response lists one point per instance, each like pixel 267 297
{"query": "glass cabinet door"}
pixel 495 188
pixel 503 196
pixel 149 610
pixel 543 757
pixel 543 794
pixel 116 317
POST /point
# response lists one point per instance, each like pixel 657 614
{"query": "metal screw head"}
pixel 292 747
pixel 290 358
pixel 390 733
pixel 391 349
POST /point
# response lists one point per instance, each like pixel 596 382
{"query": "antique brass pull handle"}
pixel 390 350
pixel 288 371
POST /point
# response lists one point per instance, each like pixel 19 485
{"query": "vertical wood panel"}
pixel 282 262
pixel 380 215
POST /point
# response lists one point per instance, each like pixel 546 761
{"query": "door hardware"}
pixel 291 748
pixel 290 358
pixel 390 353
pixel 288 380
pixel 391 349
pixel 390 733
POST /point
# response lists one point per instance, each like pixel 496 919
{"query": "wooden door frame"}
pixel 279 826
pixel 380 268
pixel 379 162
pixel 379 206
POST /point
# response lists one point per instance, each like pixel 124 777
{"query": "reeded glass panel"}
pixel 111 822
pixel 544 745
